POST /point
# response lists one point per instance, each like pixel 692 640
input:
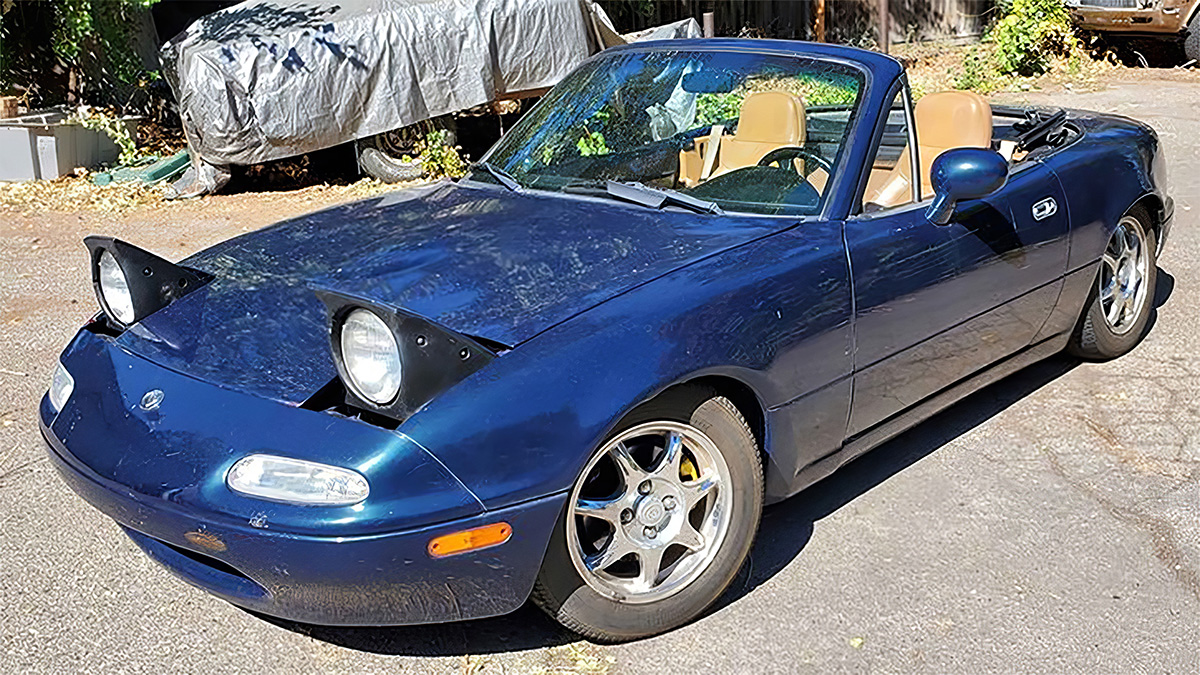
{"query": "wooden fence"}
pixel 846 21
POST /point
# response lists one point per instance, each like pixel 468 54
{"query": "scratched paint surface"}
pixel 481 261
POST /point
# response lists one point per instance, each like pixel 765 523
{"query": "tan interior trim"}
pixel 1007 149
pixel 710 152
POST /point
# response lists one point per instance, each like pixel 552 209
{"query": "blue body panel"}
pixel 180 452
pixel 937 303
pixel 381 578
pixel 481 261
pixel 834 333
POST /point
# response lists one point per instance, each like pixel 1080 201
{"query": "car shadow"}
pixel 787 527
pixel 1164 287
pixel 525 629
pixel 785 531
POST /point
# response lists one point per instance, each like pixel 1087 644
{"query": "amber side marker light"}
pixel 470 540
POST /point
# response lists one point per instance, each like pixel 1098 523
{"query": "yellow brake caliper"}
pixel 687 469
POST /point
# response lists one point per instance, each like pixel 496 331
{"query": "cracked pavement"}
pixel 1049 524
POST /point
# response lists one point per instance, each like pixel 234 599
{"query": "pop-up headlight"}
pixel 371 356
pixel 393 362
pixel 132 284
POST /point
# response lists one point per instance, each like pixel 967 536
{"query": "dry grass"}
pixel 75 193
pixel 78 193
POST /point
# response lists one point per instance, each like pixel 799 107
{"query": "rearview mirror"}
pixel 709 82
pixel 964 173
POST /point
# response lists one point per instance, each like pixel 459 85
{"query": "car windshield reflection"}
pixel 749 132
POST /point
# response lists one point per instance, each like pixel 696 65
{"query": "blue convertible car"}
pixel 696 278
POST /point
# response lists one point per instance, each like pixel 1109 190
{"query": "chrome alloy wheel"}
pixel 1125 267
pixel 650 513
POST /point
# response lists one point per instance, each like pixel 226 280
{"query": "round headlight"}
pixel 371 357
pixel 115 289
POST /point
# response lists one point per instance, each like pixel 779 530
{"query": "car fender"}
pixel 1103 175
pixel 773 315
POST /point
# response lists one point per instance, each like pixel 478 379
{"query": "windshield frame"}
pixel 839 179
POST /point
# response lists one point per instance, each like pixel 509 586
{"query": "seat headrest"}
pixel 771 117
pixel 953 119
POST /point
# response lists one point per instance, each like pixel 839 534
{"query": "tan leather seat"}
pixel 945 120
pixel 767 120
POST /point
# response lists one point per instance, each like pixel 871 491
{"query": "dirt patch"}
pixel 939 67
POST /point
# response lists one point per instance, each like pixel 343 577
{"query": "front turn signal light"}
pixel 470 540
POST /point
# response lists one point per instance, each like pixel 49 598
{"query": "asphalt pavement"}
pixel 1049 524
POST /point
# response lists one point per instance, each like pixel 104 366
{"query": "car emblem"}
pixel 152 399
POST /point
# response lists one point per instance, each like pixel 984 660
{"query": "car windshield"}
pixel 747 132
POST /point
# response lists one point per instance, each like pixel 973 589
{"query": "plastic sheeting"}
pixel 268 79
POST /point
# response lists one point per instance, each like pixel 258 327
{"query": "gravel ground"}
pixel 1048 524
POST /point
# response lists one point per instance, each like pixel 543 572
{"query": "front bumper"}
pixel 159 475
pixel 1165 20
pixel 385 579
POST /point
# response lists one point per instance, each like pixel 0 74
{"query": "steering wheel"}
pixel 788 153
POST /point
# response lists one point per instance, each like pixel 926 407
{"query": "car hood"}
pixel 482 261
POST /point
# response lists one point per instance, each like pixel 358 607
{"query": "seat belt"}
pixel 710 150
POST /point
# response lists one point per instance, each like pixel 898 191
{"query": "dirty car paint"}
pixel 817 326
pixel 481 261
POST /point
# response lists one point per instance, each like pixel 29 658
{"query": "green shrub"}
pixel 103 25
pixel 592 143
pixel 714 108
pixel 1029 34
pixel 438 158
pixel 979 72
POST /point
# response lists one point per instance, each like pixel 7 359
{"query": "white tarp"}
pixel 267 79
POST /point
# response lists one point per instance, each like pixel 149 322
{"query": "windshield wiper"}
pixel 503 177
pixel 656 198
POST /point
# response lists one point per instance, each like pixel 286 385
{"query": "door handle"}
pixel 1045 208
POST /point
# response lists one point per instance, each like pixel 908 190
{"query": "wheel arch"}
pixel 1153 205
pixel 744 398
pixel 1187 20
pixel 739 391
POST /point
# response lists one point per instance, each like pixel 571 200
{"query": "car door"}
pixel 937 303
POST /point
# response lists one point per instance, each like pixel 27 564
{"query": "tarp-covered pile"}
pixel 268 79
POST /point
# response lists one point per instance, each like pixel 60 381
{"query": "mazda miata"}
pixel 696 278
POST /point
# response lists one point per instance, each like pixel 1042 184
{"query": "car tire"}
pixel 381 155
pixel 702 546
pixel 385 167
pixel 1191 41
pixel 1122 298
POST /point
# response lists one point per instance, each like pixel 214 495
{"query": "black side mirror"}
pixel 964 173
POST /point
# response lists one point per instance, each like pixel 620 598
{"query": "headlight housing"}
pixel 132 284
pixel 61 386
pixel 296 481
pixel 114 289
pixel 371 356
pixel 391 362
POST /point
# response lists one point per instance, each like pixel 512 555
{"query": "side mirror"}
pixel 964 173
